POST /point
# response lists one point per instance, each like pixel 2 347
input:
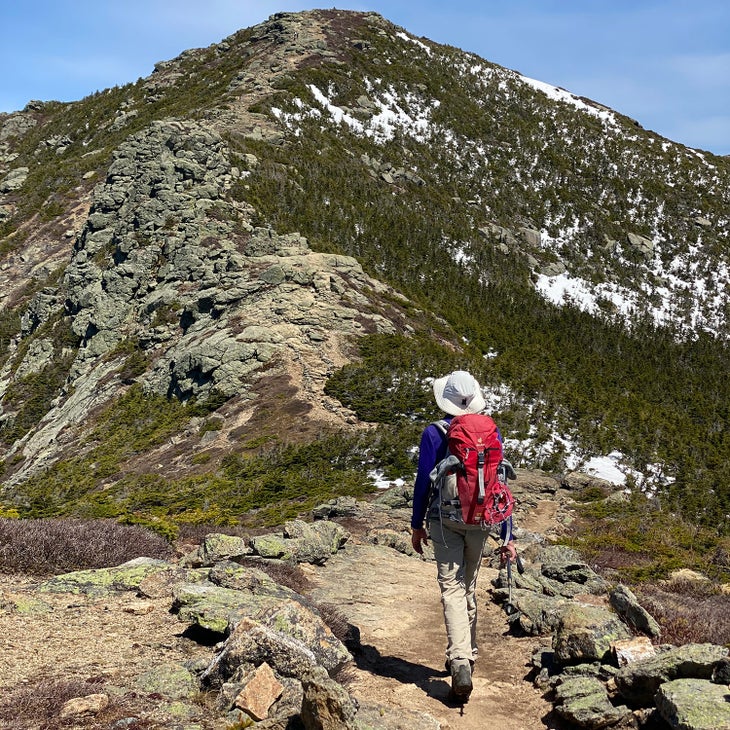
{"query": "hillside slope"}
pixel 189 261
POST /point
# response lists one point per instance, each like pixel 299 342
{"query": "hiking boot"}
pixel 461 685
pixel 447 665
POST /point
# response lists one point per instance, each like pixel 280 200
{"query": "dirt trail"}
pixel 394 601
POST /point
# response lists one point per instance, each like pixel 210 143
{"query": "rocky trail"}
pixel 395 603
pixel 122 639
pixel 209 641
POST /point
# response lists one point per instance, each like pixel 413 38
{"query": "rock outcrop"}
pixel 170 285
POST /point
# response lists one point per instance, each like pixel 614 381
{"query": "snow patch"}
pixel 557 94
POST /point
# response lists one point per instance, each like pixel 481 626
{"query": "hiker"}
pixel 457 546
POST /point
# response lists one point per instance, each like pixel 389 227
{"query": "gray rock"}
pixel 40 353
pixel 641 244
pixel 14 180
pixel 639 682
pixel 539 615
pixel 694 704
pixel 531 236
pixel 576 481
pixel 626 605
pixel 395 497
pixel 292 619
pixel 216 547
pixel 572 578
pixel 400 541
pixel 302 542
pixel 585 633
pixel 326 704
pixel 252 643
pixel 584 701
pixel 380 717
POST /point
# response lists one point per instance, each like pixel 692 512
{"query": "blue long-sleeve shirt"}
pixel 432 449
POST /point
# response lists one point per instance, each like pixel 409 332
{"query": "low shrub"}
pixel 690 612
pixel 51 546
pixel 38 705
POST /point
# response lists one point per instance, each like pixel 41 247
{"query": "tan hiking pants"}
pixel 458 551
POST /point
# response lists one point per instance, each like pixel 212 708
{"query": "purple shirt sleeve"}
pixel 431 450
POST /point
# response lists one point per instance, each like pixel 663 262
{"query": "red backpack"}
pixel 474 456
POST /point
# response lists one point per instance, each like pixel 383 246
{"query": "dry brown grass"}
pixel 37 706
pixel 52 546
pixel 689 611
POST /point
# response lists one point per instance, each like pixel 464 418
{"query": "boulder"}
pixel 302 542
pixel 539 615
pixel 228 574
pixel 585 702
pixel 631 650
pixel 261 689
pixel 216 547
pixel 626 605
pixel 214 608
pixel 326 704
pixel 586 633
pixel 694 704
pixel 305 625
pixel 642 245
pixel 639 682
pixel 252 643
pixel 100 581
pixel 14 180
pixel 400 541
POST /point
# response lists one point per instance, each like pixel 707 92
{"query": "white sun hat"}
pixel 458 393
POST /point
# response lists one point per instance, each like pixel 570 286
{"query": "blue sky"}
pixel 666 63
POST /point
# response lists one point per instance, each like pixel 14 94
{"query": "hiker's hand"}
pixel 507 551
pixel 419 538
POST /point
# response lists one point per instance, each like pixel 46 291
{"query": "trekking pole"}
pixel 509 608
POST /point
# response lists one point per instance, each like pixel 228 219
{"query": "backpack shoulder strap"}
pixel 441 425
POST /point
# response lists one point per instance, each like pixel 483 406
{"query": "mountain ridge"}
pixel 341 133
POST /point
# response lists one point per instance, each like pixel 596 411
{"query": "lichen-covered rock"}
pixel 214 608
pixel 639 682
pixel 228 574
pixel 125 577
pixel 294 619
pixel 172 681
pixel 586 633
pixel 694 704
pixel 585 702
pixel 400 541
pixel 565 573
pixel 302 542
pixel 216 547
pixel 626 604
pixel 539 615
pixel 253 643
pixel 273 546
